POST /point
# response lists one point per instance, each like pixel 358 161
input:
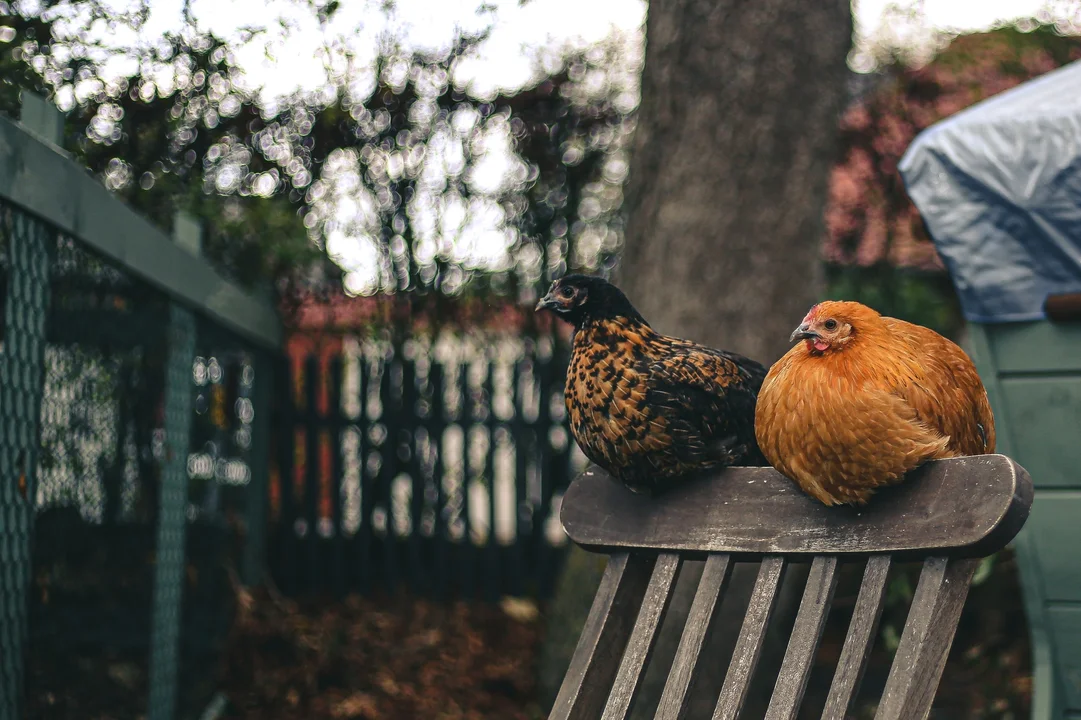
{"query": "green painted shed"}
pixel 999 186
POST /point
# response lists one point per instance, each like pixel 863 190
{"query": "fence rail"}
pixel 42 180
pixel 127 368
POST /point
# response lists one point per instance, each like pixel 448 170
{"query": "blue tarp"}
pixel 999 186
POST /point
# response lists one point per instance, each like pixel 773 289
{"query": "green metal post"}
pixel 172 523
pixel 22 361
pixel 256 511
pixel 169 566
pixel 40 116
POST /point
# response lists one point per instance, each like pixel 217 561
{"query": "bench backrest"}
pixel 949 514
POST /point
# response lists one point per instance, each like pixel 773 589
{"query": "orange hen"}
pixel 863 399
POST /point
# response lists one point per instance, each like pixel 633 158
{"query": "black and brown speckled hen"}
pixel 646 407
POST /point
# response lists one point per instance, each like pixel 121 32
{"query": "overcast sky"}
pixel 505 60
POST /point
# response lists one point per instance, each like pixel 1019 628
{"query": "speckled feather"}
pixel 844 422
pixel 649 408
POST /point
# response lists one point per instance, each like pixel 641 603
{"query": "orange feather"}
pixel 863 399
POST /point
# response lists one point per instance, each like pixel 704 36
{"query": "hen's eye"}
pixel 830 324
pixel 565 292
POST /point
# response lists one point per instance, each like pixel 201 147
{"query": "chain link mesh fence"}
pixel 24 243
pixel 127 438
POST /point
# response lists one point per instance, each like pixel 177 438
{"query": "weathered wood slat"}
pixel 313 575
pixel 951 511
pixel 491 548
pixel 467 585
pixel 289 512
pixel 700 619
pixel 925 642
pixel 520 435
pixel 366 563
pixel 419 577
pixel 604 636
pixel 339 571
pixel 749 645
pixel 859 639
pixel 553 460
pixel 799 657
pixel 644 635
pixel 437 428
pixel 972 505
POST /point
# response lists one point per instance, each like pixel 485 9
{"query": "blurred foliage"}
pixel 153 141
pixel 911 32
pixel 924 297
pixel 381 167
pixel 877 248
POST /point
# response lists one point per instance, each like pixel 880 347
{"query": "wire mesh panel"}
pixel 121 383
pixel 223 506
pixel 24 268
pixel 145 464
pixel 99 479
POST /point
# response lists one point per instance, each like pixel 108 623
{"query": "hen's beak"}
pixel 546 303
pixel 803 332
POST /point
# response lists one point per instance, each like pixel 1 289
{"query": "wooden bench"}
pixel 948 514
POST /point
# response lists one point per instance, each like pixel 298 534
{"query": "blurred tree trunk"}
pixel 735 138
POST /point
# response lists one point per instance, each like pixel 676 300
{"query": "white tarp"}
pixel 999 186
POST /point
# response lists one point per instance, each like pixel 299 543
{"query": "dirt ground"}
pixel 406 658
pixel 382 659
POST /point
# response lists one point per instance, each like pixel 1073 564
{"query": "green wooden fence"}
pixel 134 391
pixel 1032 371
